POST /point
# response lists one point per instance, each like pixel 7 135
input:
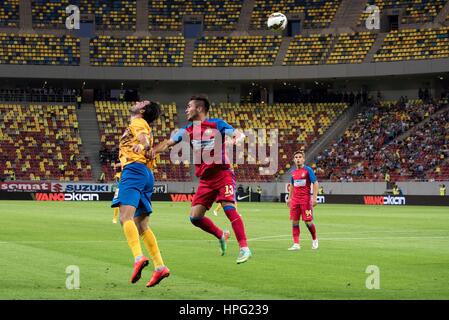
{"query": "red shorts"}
pixel 304 210
pixel 217 187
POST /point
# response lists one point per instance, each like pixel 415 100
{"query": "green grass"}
pixel 410 245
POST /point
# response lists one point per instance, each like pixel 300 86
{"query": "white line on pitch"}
pixel 279 238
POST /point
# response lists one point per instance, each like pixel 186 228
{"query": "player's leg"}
pixel 203 201
pixel 311 226
pixel 295 215
pixel 198 219
pixel 295 233
pixel 225 183
pixel 307 217
pixel 239 230
pixel 236 222
pixel 128 198
pixel 149 239
pixel 132 236
pixel 216 209
pixel 115 216
pixel 130 230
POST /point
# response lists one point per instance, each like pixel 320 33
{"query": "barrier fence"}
pixel 380 200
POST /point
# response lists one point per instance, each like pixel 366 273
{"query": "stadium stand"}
pixel 137 52
pixel 306 50
pixel 236 51
pixel 113 119
pixel 9 13
pixel 47 94
pixel 357 154
pixel 118 15
pixel 39 49
pixel 41 142
pixel 109 15
pixel 318 13
pixel 217 15
pixel 418 155
pixel 299 125
pixel 414 44
pixel 352 47
pixel 416 11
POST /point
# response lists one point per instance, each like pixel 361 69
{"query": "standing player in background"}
pixel 133 195
pixel 118 173
pixel 219 206
pixel 300 201
pixel 217 180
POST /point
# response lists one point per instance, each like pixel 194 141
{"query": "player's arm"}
pixel 290 193
pixel 163 146
pixel 315 193
pixel 144 143
pixel 314 183
pixel 237 136
pixel 168 143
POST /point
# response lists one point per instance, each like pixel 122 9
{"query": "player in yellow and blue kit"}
pixel 133 195
pixel 118 173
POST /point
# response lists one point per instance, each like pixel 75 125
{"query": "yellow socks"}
pixel 151 244
pixel 132 235
pixel 116 212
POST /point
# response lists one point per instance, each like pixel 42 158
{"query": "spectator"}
pixel 102 177
pixel 395 190
pixel 321 191
pixel 78 101
pixel 369 144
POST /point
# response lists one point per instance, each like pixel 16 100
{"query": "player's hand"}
pixel 288 203
pixel 314 202
pixel 151 154
pixel 137 148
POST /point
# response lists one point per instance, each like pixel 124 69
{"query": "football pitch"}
pixel 409 245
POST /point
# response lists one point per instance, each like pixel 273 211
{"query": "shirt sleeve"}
pixel 225 127
pixel 292 181
pixel 312 176
pixel 177 137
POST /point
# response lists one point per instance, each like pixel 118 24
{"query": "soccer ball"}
pixel 277 21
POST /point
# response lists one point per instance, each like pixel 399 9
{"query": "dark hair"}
pixel 152 112
pixel 204 99
pixel 299 152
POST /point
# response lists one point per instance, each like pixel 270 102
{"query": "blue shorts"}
pixel 135 188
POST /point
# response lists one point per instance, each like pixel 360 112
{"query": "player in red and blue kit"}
pixel 300 200
pixel 217 180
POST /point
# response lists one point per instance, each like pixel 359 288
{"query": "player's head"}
pixel 149 110
pixel 299 158
pixel 197 108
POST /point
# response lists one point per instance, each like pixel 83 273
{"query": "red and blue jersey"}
pixel 301 180
pixel 204 137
